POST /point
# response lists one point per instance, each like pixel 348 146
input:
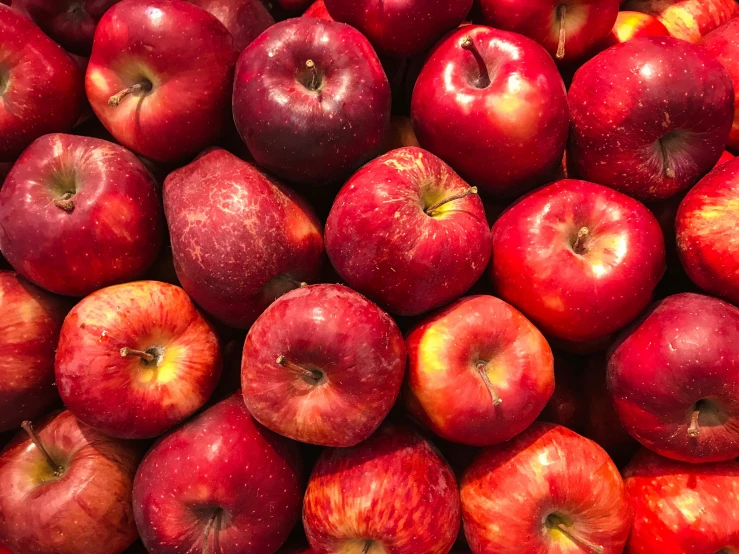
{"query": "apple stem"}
pixel 140 353
pixel 367 546
pixel 578 539
pixel 561 12
pixel 309 374
pixel 579 246
pixel 452 198
pixel 65 202
pixel 299 284
pixel 27 426
pixel 494 396
pixel 314 74
pixel 668 169
pixel 214 523
pixel 469 45
pixel 114 100
pixel 693 429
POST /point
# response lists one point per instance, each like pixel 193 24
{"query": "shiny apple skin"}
pixel 358 349
pixel 30 321
pixel 577 297
pixel 186 54
pixel 685 351
pixel 239 238
pixel 112 234
pixel 505 138
pixel 41 88
pixel 401 28
pixel 553 471
pixel 383 244
pixel 647 89
pixel 687 19
pixel 86 510
pixel 122 396
pixel 318 10
pixel 244 19
pixel 682 508
pixel 315 136
pixel 394 489
pixel 723 43
pixel 446 389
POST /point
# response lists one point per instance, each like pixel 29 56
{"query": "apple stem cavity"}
pixel 125 351
pixel 494 396
pixel 561 13
pixel 555 522
pixel 579 246
pixel 313 376
pixel 314 81
pixel 143 86
pixel 694 429
pixel 367 546
pixel 27 426
pixel 65 202
pixel 214 524
pixel 469 45
pixel 458 196
pixel 667 166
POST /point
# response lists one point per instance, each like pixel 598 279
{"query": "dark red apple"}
pixel 399 134
pixel 244 19
pixel 160 77
pixel 568 404
pixel 493 105
pixel 294 5
pixel 687 19
pixel 674 379
pixel 239 238
pixel 649 116
pixel 40 85
pixel 318 10
pixel 220 483
pixel 408 232
pixel 78 214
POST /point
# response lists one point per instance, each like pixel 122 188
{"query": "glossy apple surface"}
pixel 649 116
pixel 244 19
pixel 219 483
pixel 493 105
pixel 391 493
pixel 408 232
pixel 674 379
pixel 687 19
pixel 239 238
pixel 135 359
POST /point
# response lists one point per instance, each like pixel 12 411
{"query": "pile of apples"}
pixel 369 277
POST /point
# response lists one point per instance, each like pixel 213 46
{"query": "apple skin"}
pixel 469 355
pixel 30 321
pixel 382 242
pixel 78 214
pixel 41 87
pixel 631 25
pixel 506 137
pixel 85 510
pixel 392 493
pixel 239 238
pixel 318 10
pixel 687 19
pixel 125 396
pixel 244 19
pixel 577 297
pixel 219 483
pixel 681 507
pixel 661 128
pixel 357 349
pixel 681 360
pixel 328 128
pixel 567 405
pixel 554 472
pixel 184 55
pixel 725 157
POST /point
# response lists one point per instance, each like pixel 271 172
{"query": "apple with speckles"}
pixel 244 19
pixel 687 19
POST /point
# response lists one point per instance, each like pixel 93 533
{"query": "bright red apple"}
pixel 135 359
pixel 408 232
pixel 674 379
pixel 239 238
pixel 318 10
pixel 493 105
pixel 687 19
pixel 649 116
pixel 391 493
pixel 725 157
pixel 244 19
pixel 479 372
pixel 160 77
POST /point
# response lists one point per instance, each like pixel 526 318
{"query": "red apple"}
pixel 649 116
pixel 78 214
pixel 479 372
pixel 318 10
pixel 160 77
pixel 30 321
pixel 681 507
pixel 239 238
pixel 408 232
pixel 631 25
pixel 244 19
pixel 311 100
pixel 294 5
pixel 549 490
pixel 493 105
pixel 323 365
pixel 687 19
pixel 136 359
pixel 579 259
pixel 391 493
pixel 568 404
pixel 40 86
pixel 674 379
pixel 66 489
pixel 725 157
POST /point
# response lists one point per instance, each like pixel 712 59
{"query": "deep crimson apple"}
pixel 40 86
pixel 479 372
pixel 687 19
pixel 244 19
pixel 239 238
pixel 579 259
pixel 66 488
pixel 160 77
pixel 682 508
pixel 568 404
pixel 391 493
pixel 294 5
pixel 674 379
pixel 318 10
pixel 311 100
pixel 493 105
pixel 649 116
pixel 408 232
pixel 135 359
pixel 401 28
pixel 78 214
pixel 220 483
